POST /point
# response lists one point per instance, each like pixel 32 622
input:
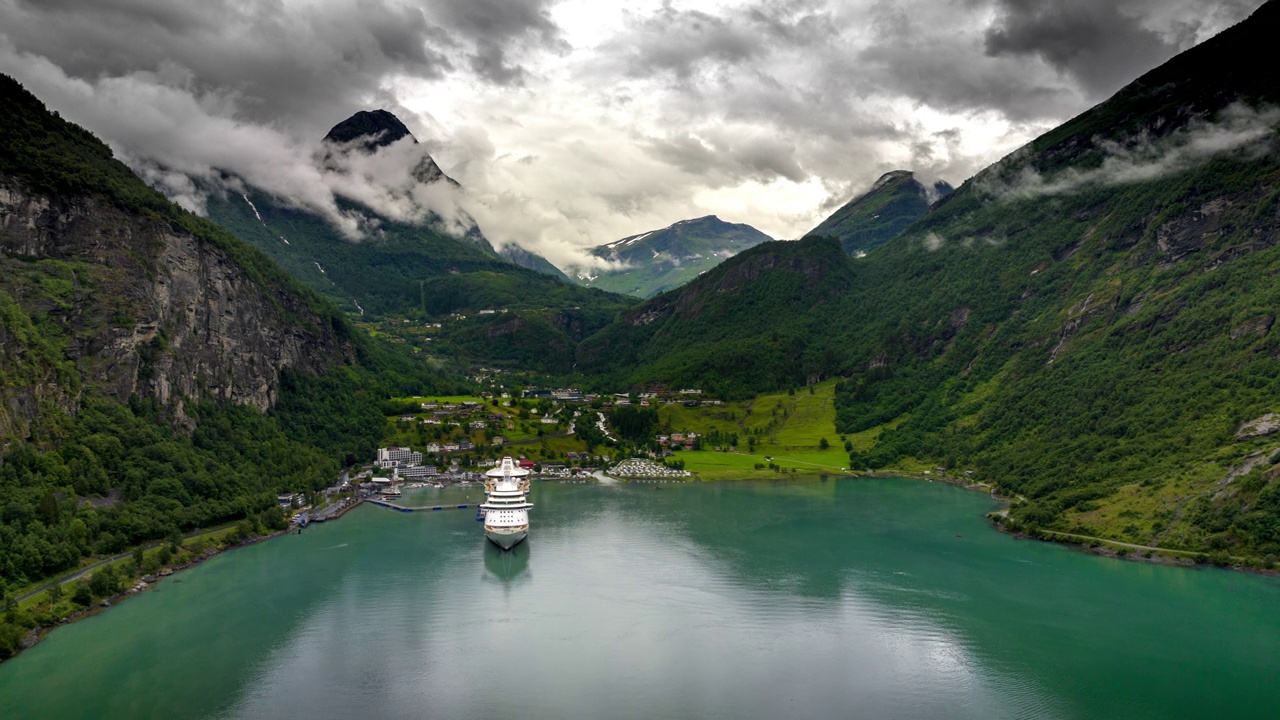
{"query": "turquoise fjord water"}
pixel 854 598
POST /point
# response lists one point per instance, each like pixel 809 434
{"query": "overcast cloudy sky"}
pixel 576 122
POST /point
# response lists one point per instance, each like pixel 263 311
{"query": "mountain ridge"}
pixel 873 218
pixel 666 258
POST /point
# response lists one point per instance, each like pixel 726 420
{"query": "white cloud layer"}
pixel 572 123
pixel 1142 158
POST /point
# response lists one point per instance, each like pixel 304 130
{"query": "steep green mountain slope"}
pixel 661 260
pixel 895 201
pixel 757 321
pixel 151 364
pixel 1114 284
pixel 378 275
pixel 1086 324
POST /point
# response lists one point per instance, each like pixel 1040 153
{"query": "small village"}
pixel 558 433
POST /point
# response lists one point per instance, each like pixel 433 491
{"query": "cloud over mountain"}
pixel 570 122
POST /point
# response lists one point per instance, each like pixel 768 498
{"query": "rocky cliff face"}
pixel 138 306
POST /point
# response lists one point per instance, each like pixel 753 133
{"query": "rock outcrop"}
pixel 142 306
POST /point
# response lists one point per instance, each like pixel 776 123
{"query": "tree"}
pixel 104 582
pixel 823 444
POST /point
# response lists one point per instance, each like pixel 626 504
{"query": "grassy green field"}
pixel 788 430
pixel 442 399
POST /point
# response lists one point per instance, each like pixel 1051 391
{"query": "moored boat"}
pixel 506 506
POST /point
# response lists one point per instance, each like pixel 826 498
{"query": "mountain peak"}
pixel 891 176
pixel 869 220
pixel 660 260
pixel 376 128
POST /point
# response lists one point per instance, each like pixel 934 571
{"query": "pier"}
pixel 421 508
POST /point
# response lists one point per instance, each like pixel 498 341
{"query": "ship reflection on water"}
pixel 510 565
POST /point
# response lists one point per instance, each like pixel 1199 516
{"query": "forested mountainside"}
pixel 419 272
pixel 661 260
pixel 151 364
pixel 873 218
pixel 758 321
pixel 1087 324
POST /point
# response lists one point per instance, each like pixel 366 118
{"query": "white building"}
pixel 398 457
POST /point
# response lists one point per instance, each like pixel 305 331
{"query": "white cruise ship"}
pixel 506 509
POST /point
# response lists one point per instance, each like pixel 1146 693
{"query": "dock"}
pixel 421 508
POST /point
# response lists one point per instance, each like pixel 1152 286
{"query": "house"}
pixel 450 447
pixel 465 445
pixel 526 463
pixel 476 424
pixel 433 447
pixel 498 440
pixel 429 406
pixel 548 420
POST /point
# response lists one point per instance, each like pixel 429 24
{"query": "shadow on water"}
pixel 508 566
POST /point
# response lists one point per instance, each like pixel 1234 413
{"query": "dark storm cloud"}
pixel 280 63
pixel 490 63
pixel 684 42
pixel 310 65
pixel 496 26
pixel 1102 44
pixel 915 54
pixel 1090 40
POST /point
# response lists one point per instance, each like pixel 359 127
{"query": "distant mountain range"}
pixel 660 260
pixel 895 201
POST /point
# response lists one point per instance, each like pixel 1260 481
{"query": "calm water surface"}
pixel 858 598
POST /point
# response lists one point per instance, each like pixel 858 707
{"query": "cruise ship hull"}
pixel 506 538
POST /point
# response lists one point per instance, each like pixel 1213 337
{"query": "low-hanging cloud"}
pixel 1236 129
